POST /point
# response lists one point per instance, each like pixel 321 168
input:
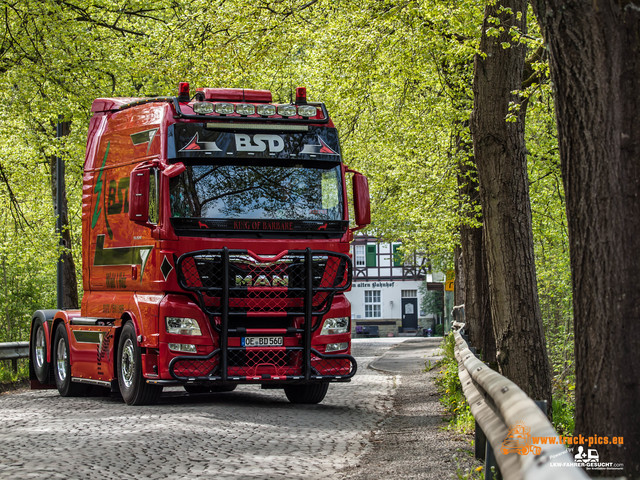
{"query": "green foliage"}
pixel 452 398
pixel 439 330
pixel 8 376
pixel 475 473
pixel 432 301
pixel 396 77
pixel 564 415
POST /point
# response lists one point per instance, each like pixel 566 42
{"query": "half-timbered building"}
pixel 387 292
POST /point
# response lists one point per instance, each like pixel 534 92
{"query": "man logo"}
pixel 262 281
pixel 259 143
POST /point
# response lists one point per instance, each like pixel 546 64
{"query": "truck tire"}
pixel 38 351
pixel 62 365
pixel 309 394
pixel 133 387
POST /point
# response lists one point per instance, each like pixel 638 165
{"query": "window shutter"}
pixel 371 256
pixel 397 256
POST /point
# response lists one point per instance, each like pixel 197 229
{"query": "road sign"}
pixel 450 280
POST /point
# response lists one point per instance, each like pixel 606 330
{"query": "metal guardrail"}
pixel 14 351
pixel 509 419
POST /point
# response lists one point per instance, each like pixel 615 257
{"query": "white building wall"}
pixel 390 319
pixel 390 297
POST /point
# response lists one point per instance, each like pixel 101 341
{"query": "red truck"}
pixel 215 240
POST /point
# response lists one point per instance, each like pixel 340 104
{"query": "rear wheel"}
pixel 133 387
pixel 309 394
pixel 62 365
pixel 39 351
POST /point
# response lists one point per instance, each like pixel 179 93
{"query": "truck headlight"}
pixel 333 326
pixel 336 347
pixel 182 347
pixel 182 326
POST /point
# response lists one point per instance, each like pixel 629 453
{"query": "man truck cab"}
pixel 215 248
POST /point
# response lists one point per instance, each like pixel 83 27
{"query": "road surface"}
pixel 248 433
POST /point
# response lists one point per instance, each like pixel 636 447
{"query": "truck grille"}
pixel 245 294
pixel 275 285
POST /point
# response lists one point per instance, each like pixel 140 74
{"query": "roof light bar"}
pixel 284 111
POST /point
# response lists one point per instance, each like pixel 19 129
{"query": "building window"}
pixel 360 256
pixel 372 256
pixel 372 305
pixel 409 294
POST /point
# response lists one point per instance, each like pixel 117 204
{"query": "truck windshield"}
pixel 257 192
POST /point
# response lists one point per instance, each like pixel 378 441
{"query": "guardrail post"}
pixel 542 405
pixel 480 442
pixel 14 365
pixel 489 465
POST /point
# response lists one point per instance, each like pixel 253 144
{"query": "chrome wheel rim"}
pixel 127 363
pixel 39 347
pixel 61 360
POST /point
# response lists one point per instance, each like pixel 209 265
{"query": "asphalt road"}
pixel 248 433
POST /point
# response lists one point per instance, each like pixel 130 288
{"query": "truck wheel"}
pixel 39 351
pixel 62 365
pixel 133 387
pixel 313 393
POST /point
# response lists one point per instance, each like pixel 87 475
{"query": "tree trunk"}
pixel 595 67
pixel 70 297
pixel 500 155
pixel 476 303
pixel 460 280
pixel 472 261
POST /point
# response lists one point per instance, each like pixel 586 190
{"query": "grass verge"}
pixel 450 389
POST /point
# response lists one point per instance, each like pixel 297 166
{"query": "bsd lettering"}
pixel 259 143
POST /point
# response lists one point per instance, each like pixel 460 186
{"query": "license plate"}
pixel 262 341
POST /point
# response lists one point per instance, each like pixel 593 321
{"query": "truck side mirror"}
pixel 361 200
pixel 174 170
pixel 139 195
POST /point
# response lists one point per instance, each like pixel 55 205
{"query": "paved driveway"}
pixel 248 433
